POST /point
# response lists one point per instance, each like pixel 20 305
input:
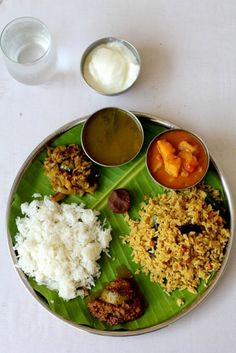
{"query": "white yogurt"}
pixel 111 68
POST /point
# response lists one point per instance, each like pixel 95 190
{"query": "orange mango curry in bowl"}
pixel 177 159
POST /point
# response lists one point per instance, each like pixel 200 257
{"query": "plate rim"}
pixel 27 162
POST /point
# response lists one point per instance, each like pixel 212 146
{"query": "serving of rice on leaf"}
pixel 59 245
pixel 179 238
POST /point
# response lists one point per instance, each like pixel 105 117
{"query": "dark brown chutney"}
pixel 119 201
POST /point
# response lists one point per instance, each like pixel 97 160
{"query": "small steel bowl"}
pixel 98 137
pixel 107 41
pixel 167 184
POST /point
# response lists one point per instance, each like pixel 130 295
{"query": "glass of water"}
pixel 28 50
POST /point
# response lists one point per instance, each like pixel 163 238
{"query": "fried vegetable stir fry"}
pixel 119 302
pixel 70 171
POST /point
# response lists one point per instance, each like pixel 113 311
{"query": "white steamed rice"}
pixel 59 245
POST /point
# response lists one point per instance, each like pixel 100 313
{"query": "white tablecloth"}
pixel 188 76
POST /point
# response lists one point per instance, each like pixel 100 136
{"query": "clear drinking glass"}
pixel 28 50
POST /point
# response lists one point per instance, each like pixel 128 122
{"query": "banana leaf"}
pixel 134 176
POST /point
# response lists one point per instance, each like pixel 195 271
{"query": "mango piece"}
pixel 186 155
pixel 190 162
pixel 186 146
pixel 157 165
pixel 165 148
pixel 172 165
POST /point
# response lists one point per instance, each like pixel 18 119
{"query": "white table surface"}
pixel 188 52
